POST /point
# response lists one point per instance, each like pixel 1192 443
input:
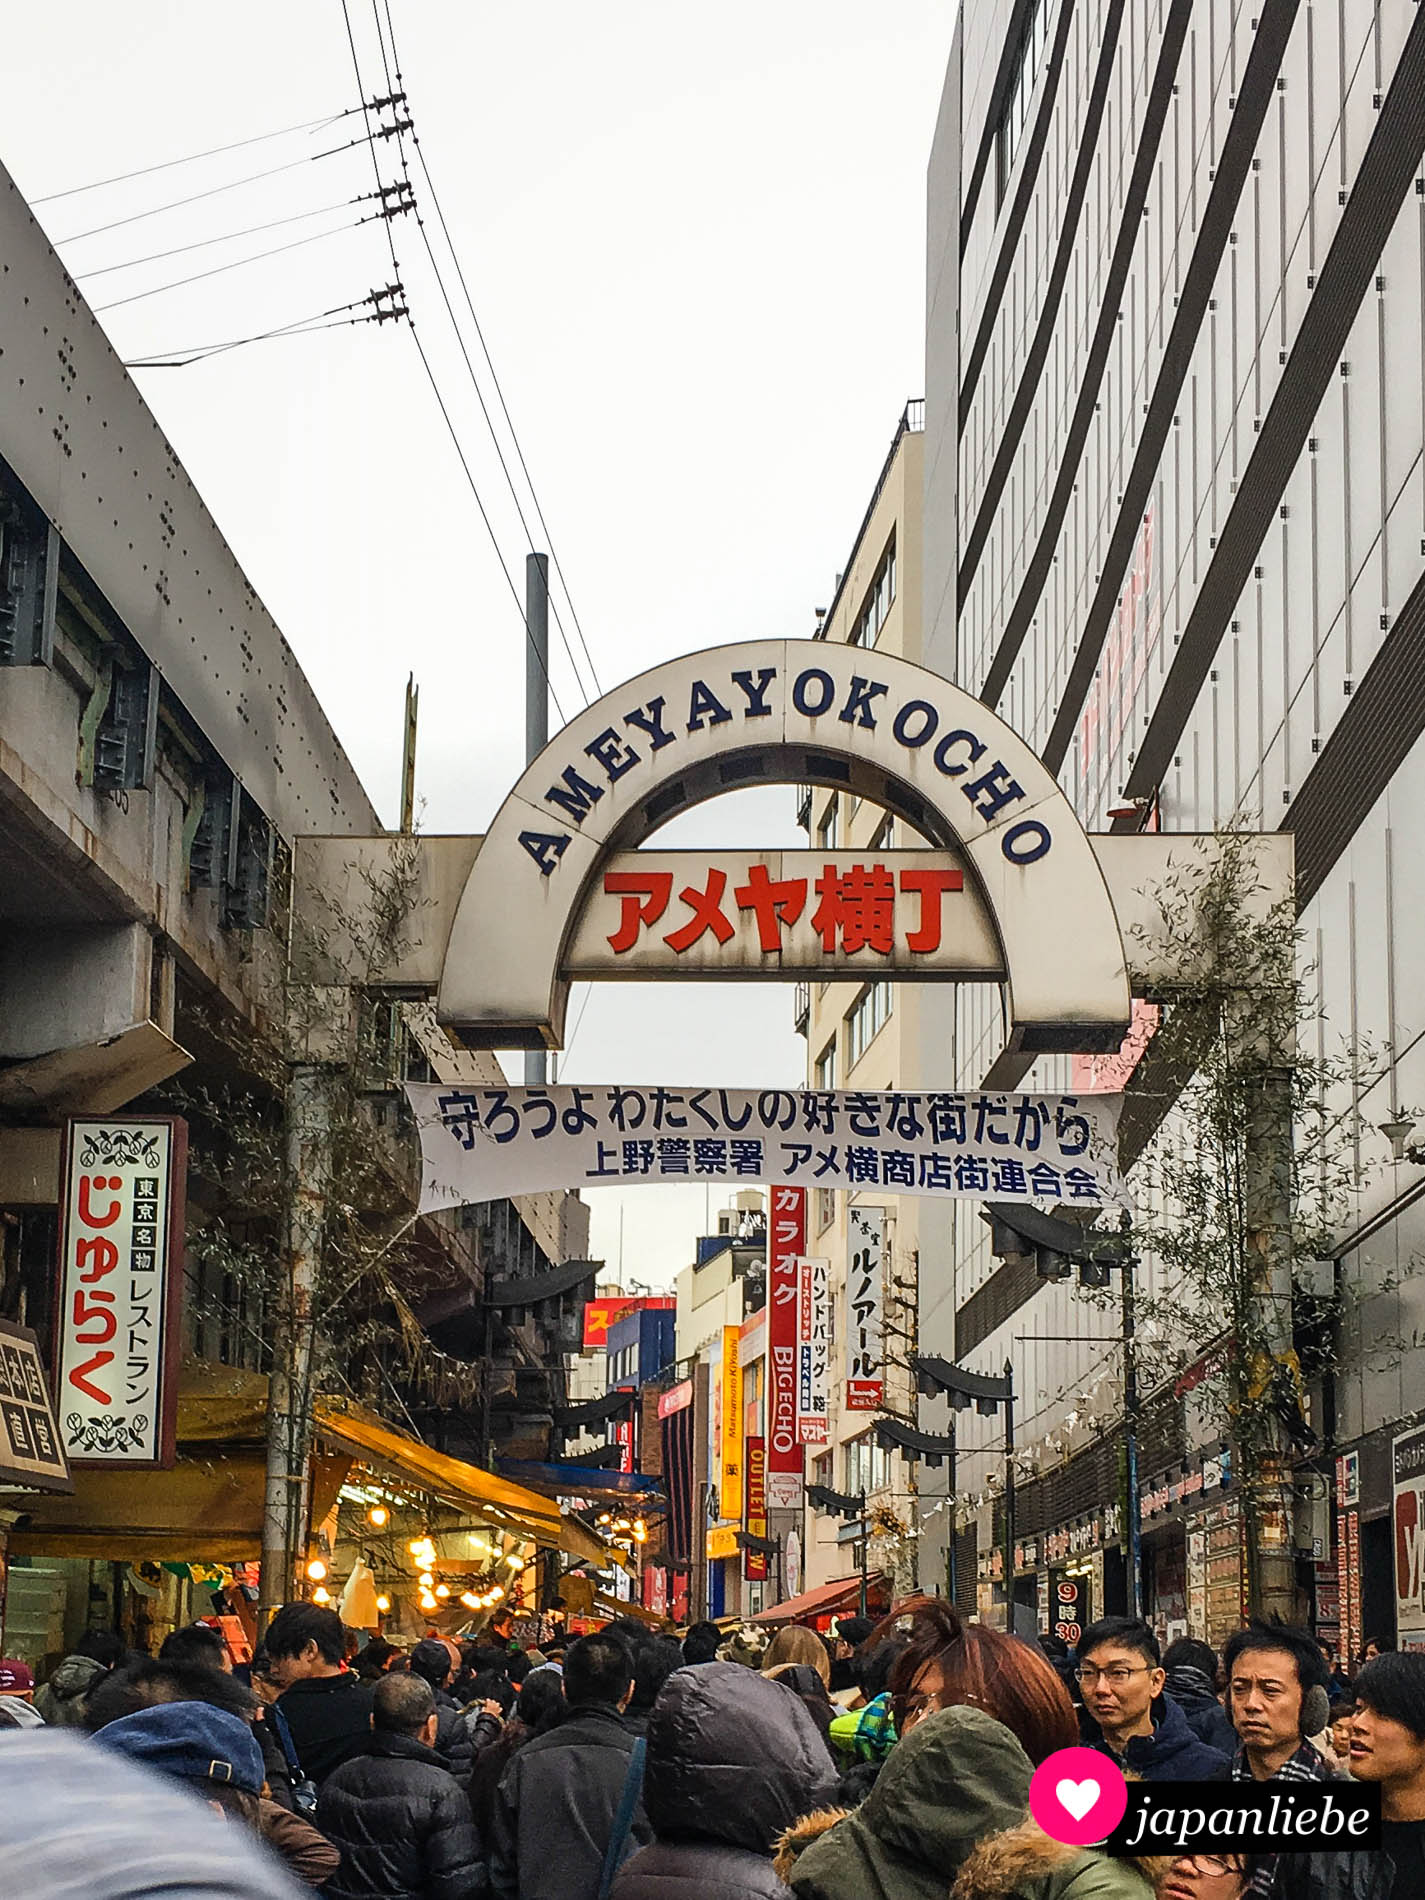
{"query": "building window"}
pixel 882 839
pixel 1016 101
pixel 828 832
pixel 821 1469
pixel 866 629
pixel 871 1012
pixel 825 1071
pixel 868 1466
pixel 825 1208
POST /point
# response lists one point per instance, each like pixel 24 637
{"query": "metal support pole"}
pixel 865 1557
pixel 289 1386
pixel 408 756
pixel 1009 1497
pixel 1130 1435
pixel 536 718
pixel 951 1559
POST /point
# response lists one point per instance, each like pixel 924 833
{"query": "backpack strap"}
pixel 623 1820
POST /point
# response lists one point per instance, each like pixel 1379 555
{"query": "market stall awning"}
pixel 581 1481
pixel 507 1506
pixel 825 1600
pixel 204 1510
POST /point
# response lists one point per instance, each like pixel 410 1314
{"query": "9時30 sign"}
pixel 120 1249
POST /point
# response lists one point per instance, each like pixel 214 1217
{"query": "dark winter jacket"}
pixel 453 1740
pixel 1206 1717
pixel 329 1719
pixel 733 1760
pixel 61 1700
pixel 1171 1753
pixel 403 1825
pixel 1364 1874
pixel 555 1808
pixel 957 1777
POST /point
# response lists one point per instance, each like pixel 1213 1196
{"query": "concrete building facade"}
pixel 1175 535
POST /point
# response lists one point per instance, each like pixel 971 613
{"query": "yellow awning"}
pixel 465 1486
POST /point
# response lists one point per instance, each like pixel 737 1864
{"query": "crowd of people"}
pixel 890 1761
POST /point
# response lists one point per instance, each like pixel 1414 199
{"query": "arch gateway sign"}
pixel 1008 889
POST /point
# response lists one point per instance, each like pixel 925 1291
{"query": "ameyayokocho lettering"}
pixel 959 755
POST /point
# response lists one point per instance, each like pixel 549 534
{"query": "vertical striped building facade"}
pixel 1175 535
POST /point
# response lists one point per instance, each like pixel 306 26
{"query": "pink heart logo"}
pixel 1078 1796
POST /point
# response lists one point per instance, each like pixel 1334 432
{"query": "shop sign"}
pixel 1408 1522
pixel 792 1564
pixel 813 1349
pixel 600 1315
pixel 1026 1554
pixel 121 1238
pixel 483 1144
pixel 623 1437
pixel 755 1567
pixel 866 1240
pixel 1352 1614
pixel 722 1542
pixel 786 1244
pixel 30 1450
pixel 1112 1523
pixel 1348 1479
pixel 676 1399
pixel 1069 1609
pixel 730 1387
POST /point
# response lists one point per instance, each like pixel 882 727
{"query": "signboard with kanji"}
pixel 120 1242
pixel 798 913
pixel 1408 1524
pixel 30 1450
pixel 480 1144
pixel 866 1239
pixel 754 1563
pixel 813 1349
pixel 786 1243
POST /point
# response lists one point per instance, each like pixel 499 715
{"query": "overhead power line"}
pixel 226 237
pixel 237 263
pixel 441 403
pixel 192 158
pixel 387 306
pixel 489 362
pixel 214 191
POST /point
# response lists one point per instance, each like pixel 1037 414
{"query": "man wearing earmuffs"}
pixel 1276 1697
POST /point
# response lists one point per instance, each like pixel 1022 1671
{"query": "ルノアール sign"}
pixel 120 1240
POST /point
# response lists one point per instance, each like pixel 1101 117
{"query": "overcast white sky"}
pixel 695 243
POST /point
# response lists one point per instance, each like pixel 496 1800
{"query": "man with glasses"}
pixel 1126 1714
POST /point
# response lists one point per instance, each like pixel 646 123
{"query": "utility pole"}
pixel 1009 1496
pixel 1130 1424
pixel 536 719
pixel 408 757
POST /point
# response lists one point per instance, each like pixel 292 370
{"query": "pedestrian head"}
pixel 853 1630
pixel 302 1640
pixel 1388 1727
pixel 102 1646
pixel 1188 1653
pixel 492 1685
pixel 196 1643
pixel 731 1759
pixel 430 1659
pixel 17 1711
pixel 1378 1646
pixel 1206 1877
pixel 702 1643
pixel 654 1660
pixel 598 1668
pixel 794 1643
pixel 1120 1673
pixel 540 1703
pixel 150 1682
pixel 405 1705
pixel 17 1679
pixel 1342 1715
pixel 873 1662
pixel 747 1645
pixel 947 1663
pixel 1276 1688
pixel 376 1659
pixel 191 1741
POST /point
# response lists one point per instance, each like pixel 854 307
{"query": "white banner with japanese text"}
pixel 865 1253
pixel 120 1238
pixel 481 1144
pixel 813 1349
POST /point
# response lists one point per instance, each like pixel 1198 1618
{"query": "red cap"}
pixel 16 1678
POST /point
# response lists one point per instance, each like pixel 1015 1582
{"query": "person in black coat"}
pixel 733 1761
pixel 558 1799
pixel 454 1740
pixel 1191 1669
pixel 400 1819
pixel 327 1711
